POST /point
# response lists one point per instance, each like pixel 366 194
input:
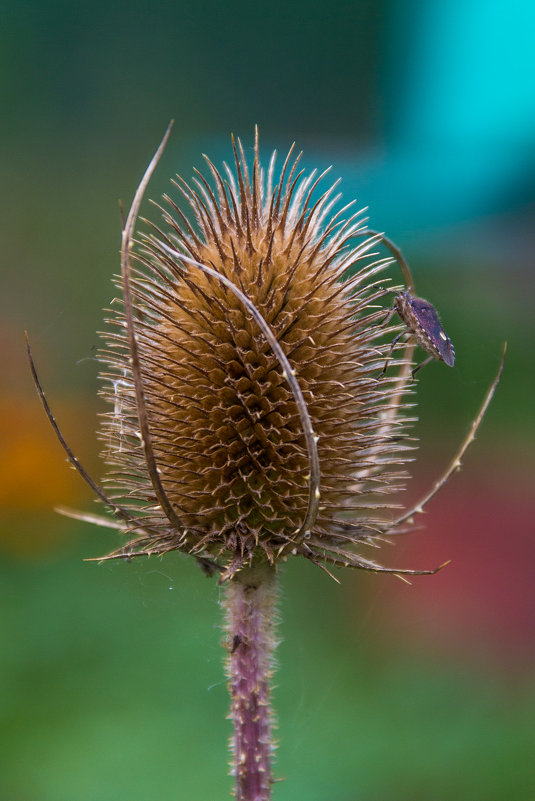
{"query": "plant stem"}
pixel 250 618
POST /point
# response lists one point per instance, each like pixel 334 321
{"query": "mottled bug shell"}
pixel 421 319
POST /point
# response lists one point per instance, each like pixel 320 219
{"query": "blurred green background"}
pixel 111 685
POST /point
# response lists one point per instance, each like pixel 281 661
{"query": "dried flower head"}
pixel 250 417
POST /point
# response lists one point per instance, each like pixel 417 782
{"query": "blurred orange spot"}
pixel 34 473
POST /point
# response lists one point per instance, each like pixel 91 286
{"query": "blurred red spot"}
pixel 483 521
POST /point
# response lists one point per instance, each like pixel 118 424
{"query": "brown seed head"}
pixel 226 431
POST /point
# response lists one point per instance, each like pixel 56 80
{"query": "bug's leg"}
pixel 392 346
pixel 390 313
pixel 422 364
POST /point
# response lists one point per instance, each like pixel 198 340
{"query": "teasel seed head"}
pixel 246 418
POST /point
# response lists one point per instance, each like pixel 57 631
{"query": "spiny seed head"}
pixel 227 435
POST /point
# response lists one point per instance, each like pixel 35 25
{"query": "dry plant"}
pixel 251 417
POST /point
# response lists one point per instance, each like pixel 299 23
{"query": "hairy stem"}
pixel 250 617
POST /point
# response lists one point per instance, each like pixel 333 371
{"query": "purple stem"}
pixel 250 607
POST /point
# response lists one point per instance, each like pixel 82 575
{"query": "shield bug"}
pixel 421 320
pixel 420 317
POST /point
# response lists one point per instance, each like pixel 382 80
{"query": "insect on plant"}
pixel 420 317
pixel 245 423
